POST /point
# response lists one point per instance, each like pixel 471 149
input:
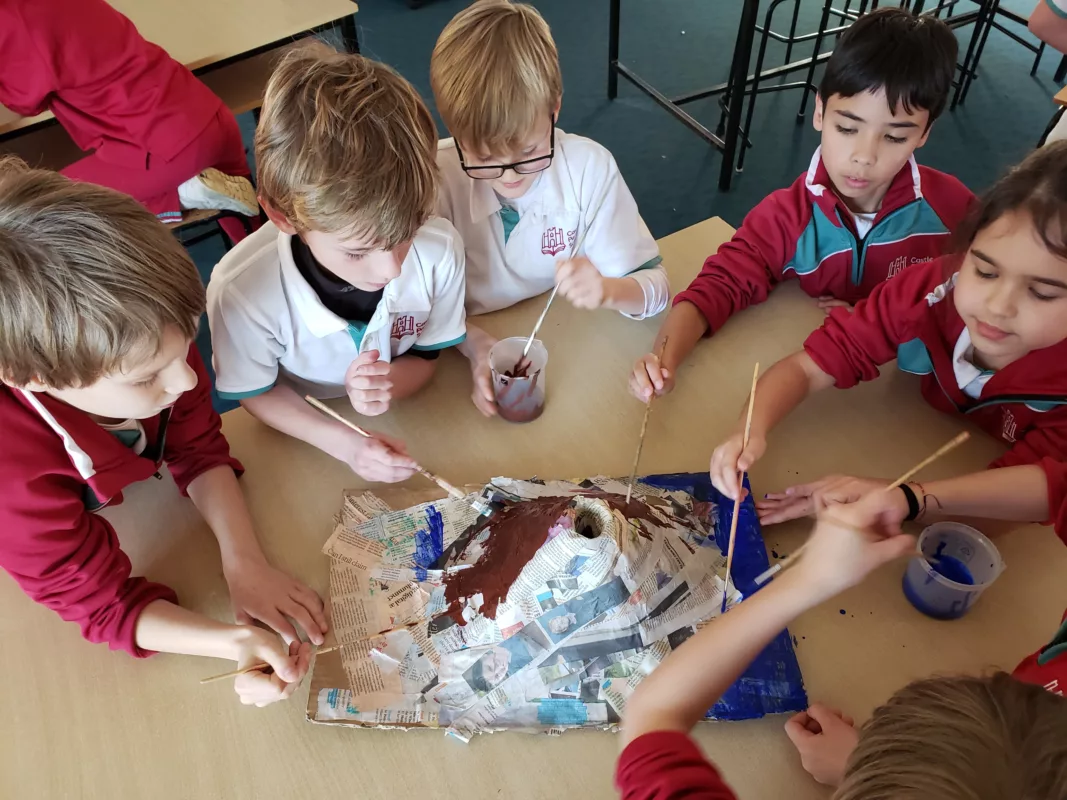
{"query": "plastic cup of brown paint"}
pixel 520 395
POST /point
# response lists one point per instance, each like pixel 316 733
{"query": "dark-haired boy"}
pixel 862 212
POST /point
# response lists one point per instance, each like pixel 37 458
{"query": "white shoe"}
pixel 212 189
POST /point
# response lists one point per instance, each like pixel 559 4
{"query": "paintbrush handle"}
pixel 644 427
pixel 448 487
pixel 740 489
pixel 952 445
pixel 325 409
pixel 540 319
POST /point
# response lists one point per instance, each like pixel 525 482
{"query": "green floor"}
pixel 682 45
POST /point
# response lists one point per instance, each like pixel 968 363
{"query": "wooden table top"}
pixel 80 721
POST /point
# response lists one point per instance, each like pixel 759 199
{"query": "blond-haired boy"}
pixel 535 206
pixel 100 384
pixel 353 288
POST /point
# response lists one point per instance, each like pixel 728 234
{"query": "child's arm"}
pixel 779 391
pixel 258 591
pixel 382 458
pixel 684 327
pixel 841 552
pixel 165 627
pixel 476 349
pixel 1020 494
pixel 581 282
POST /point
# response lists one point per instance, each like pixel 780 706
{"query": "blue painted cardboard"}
pixel 773 683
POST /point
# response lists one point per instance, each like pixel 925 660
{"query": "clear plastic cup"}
pixel 960 564
pixel 519 398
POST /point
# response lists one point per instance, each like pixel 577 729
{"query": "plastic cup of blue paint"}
pixel 958 564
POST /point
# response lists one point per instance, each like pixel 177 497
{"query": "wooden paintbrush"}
pixel 740 489
pixel 644 427
pixel 478 505
pixel 259 665
pixel 786 563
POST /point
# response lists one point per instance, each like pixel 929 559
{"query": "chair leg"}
pixel 1061 71
pixel 613 49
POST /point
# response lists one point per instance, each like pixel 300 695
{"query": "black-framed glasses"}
pixel 527 167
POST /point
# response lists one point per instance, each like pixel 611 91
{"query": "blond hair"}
pixel 963 738
pixel 89 280
pixel 345 145
pixel 495 74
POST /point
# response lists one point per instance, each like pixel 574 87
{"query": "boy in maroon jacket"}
pixel 948 738
pixel 986 329
pixel 863 211
pixel 100 384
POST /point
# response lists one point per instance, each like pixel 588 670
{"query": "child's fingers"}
pixel 276 620
pixel 378 368
pixel 308 599
pixel 372 408
pixel 363 359
pixel 365 383
pixel 295 610
pixel 796 728
pixel 825 717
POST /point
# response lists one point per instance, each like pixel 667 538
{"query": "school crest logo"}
pixel 552 241
pixel 402 326
pixel 1008 427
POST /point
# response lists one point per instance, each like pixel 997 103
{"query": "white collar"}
pixel 969 378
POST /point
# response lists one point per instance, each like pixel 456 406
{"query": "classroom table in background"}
pixel 206 35
pixel 80 721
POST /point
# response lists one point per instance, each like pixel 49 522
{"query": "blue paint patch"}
pixel 429 544
pixel 561 711
pixel 772 684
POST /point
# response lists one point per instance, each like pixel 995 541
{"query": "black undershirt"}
pixel 339 296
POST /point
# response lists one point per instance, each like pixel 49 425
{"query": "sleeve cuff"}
pixel 244 395
pixel 441 345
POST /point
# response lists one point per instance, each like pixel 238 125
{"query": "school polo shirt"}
pixel 580 199
pixel 268 324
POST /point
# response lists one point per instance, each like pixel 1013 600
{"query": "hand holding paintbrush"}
pixel 478 506
pixel 740 489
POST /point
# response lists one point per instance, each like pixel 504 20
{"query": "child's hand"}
pixel 382 458
pixel 731 458
pixel 650 376
pixel 289 663
pixel 848 543
pixel 258 591
pixel 368 385
pixel 581 283
pixel 825 738
pixel 805 499
pixel 482 375
pixel 828 303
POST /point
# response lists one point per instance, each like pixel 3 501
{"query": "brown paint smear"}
pixel 516 532
pixel 514 400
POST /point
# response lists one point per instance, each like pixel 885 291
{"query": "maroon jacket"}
pixel 806 232
pixel 52 456
pixel 913 319
pixel 112 90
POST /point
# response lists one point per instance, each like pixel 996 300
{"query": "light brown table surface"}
pixel 79 721
pixel 197 33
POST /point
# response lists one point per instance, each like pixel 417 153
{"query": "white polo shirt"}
pixel 582 189
pixel 267 324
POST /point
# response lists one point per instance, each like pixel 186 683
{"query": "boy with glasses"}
pixel 536 206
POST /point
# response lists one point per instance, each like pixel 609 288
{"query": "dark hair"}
pixel 912 57
pixel 1037 186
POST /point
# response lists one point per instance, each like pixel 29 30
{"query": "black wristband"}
pixel 913 502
